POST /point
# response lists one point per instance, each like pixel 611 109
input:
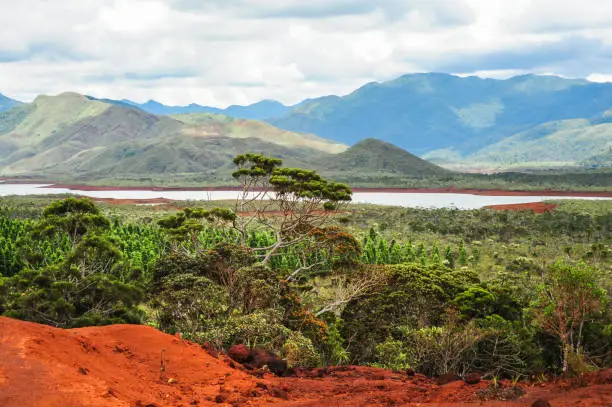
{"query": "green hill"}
pixel 377 158
pixel 71 137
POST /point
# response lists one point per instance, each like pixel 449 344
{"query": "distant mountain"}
pixel 560 143
pixel 459 122
pixel 427 112
pixel 160 109
pixel 258 111
pixel 263 110
pixel 77 138
pixel 7 103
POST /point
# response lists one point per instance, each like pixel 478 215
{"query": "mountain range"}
pixel 457 122
pixel 471 122
pixel 266 109
pixel 77 138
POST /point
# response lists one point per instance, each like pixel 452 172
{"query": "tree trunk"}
pixel 566 353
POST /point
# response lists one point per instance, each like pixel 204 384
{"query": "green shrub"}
pixel 391 355
pixel 300 352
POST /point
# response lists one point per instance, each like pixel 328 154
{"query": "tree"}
pixel 294 203
pixel 346 288
pixel 83 286
pixel 569 297
pixel 186 225
pixel 74 217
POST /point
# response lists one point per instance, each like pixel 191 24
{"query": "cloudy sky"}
pixel 221 52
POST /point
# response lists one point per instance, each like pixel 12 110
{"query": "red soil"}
pixel 450 190
pixel 536 207
pixel 121 366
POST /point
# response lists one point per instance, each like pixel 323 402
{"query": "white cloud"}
pixel 598 77
pixel 242 51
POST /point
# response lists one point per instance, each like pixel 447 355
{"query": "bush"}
pixel 299 352
pixel 261 328
pixel 391 355
pixel 443 349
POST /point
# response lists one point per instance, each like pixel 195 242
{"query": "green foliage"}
pixel 391 355
pixel 84 283
pixel 414 296
pixel 437 290
pixel 300 352
pixel 475 302
pixel 74 217
pixel 334 351
pixel 255 165
pixel 443 349
pixel 261 328
pixel 186 225
pixel 189 304
pixel 568 298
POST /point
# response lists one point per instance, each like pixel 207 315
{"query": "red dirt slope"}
pixel 121 366
pixel 112 366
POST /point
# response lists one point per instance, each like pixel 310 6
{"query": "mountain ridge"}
pixel 79 138
pixel 7 103
pixel 445 118
pixel 261 110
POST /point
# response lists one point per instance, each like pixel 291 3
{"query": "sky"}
pixel 222 52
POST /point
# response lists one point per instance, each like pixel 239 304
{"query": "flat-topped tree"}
pixel 293 202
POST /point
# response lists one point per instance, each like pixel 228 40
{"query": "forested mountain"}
pixel 426 113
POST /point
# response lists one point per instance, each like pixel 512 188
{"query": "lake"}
pixel 408 200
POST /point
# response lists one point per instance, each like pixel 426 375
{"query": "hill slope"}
pixel 426 112
pixel 561 143
pixel 74 136
pixel 377 158
pixel 71 137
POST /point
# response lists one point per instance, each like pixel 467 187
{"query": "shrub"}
pixel 391 355
pixel 299 352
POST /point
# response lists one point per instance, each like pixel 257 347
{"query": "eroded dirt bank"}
pixel 126 365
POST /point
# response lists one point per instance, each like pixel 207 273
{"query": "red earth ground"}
pixel 127 365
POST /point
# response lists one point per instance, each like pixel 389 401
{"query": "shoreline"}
pixel 448 190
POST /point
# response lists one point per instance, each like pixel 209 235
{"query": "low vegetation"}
pixel 292 267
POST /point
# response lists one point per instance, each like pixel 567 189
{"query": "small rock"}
pixel 472 378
